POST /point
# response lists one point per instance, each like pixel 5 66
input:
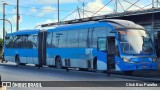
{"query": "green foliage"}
pixel 1 42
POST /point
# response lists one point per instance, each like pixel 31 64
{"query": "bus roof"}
pixel 115 23
pixel 22 32
pixel 78 25
pixel 118 23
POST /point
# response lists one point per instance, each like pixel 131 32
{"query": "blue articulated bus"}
pixel 105 45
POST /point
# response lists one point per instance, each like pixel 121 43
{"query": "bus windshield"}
pixel 134 41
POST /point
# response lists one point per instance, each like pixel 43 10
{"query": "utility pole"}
pixel 83 9
pixel 82 6
pixel 4 20
pixel 58 12
pixel 116 5
pixel 78 12
pixel 18 17
pixel 157 3
pixel 152 3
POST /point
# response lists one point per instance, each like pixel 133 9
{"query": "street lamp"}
pixel 4 4
pixel 58 10
pixel 9 23
pixel 37 26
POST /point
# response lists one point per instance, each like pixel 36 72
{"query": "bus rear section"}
pixel 24 47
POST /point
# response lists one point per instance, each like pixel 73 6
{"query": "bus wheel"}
pixel 83 69
pixel 128 72
pixel 17 60
pixel 22 64
pixel 58 63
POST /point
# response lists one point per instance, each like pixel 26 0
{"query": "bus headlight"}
pixel 126 60
pixel 154 59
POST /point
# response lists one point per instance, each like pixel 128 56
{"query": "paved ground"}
pixel 9 72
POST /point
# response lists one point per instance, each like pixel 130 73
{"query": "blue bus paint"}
pixel 88 56
pixel 123 66
pixel 73 53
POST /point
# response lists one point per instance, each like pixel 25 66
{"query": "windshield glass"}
pixel 135 42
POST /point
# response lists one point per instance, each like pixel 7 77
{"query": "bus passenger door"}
pixel 157 44
pixel 110 53
pixel 101 54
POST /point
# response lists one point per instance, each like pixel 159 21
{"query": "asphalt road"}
pixel 9 72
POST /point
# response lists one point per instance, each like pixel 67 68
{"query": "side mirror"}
pixel 101 45
pixel 112 31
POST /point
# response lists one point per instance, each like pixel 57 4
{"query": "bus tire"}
pixel 17 60
pixel 108 74
pixel 83 69
pixel 23 64
pixel 128 72
pixel 95 63
pixel 58 62
pixel 67 69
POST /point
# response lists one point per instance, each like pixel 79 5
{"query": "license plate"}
pixel 144 67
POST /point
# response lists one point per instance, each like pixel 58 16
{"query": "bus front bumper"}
pixel 136 66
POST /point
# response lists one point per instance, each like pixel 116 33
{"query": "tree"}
pixel 1 42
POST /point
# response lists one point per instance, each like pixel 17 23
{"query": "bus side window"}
pixel 50 40
pixel 72 40
pixel 35 41
pixel 61 38
pixel 82 37
pixel 7 41
pixel 18 42
pixel 53 40
pixel 101 44
pixel 97 32
pixel 29 41
pixel 12 42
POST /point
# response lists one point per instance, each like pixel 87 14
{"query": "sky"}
pixel 35 12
